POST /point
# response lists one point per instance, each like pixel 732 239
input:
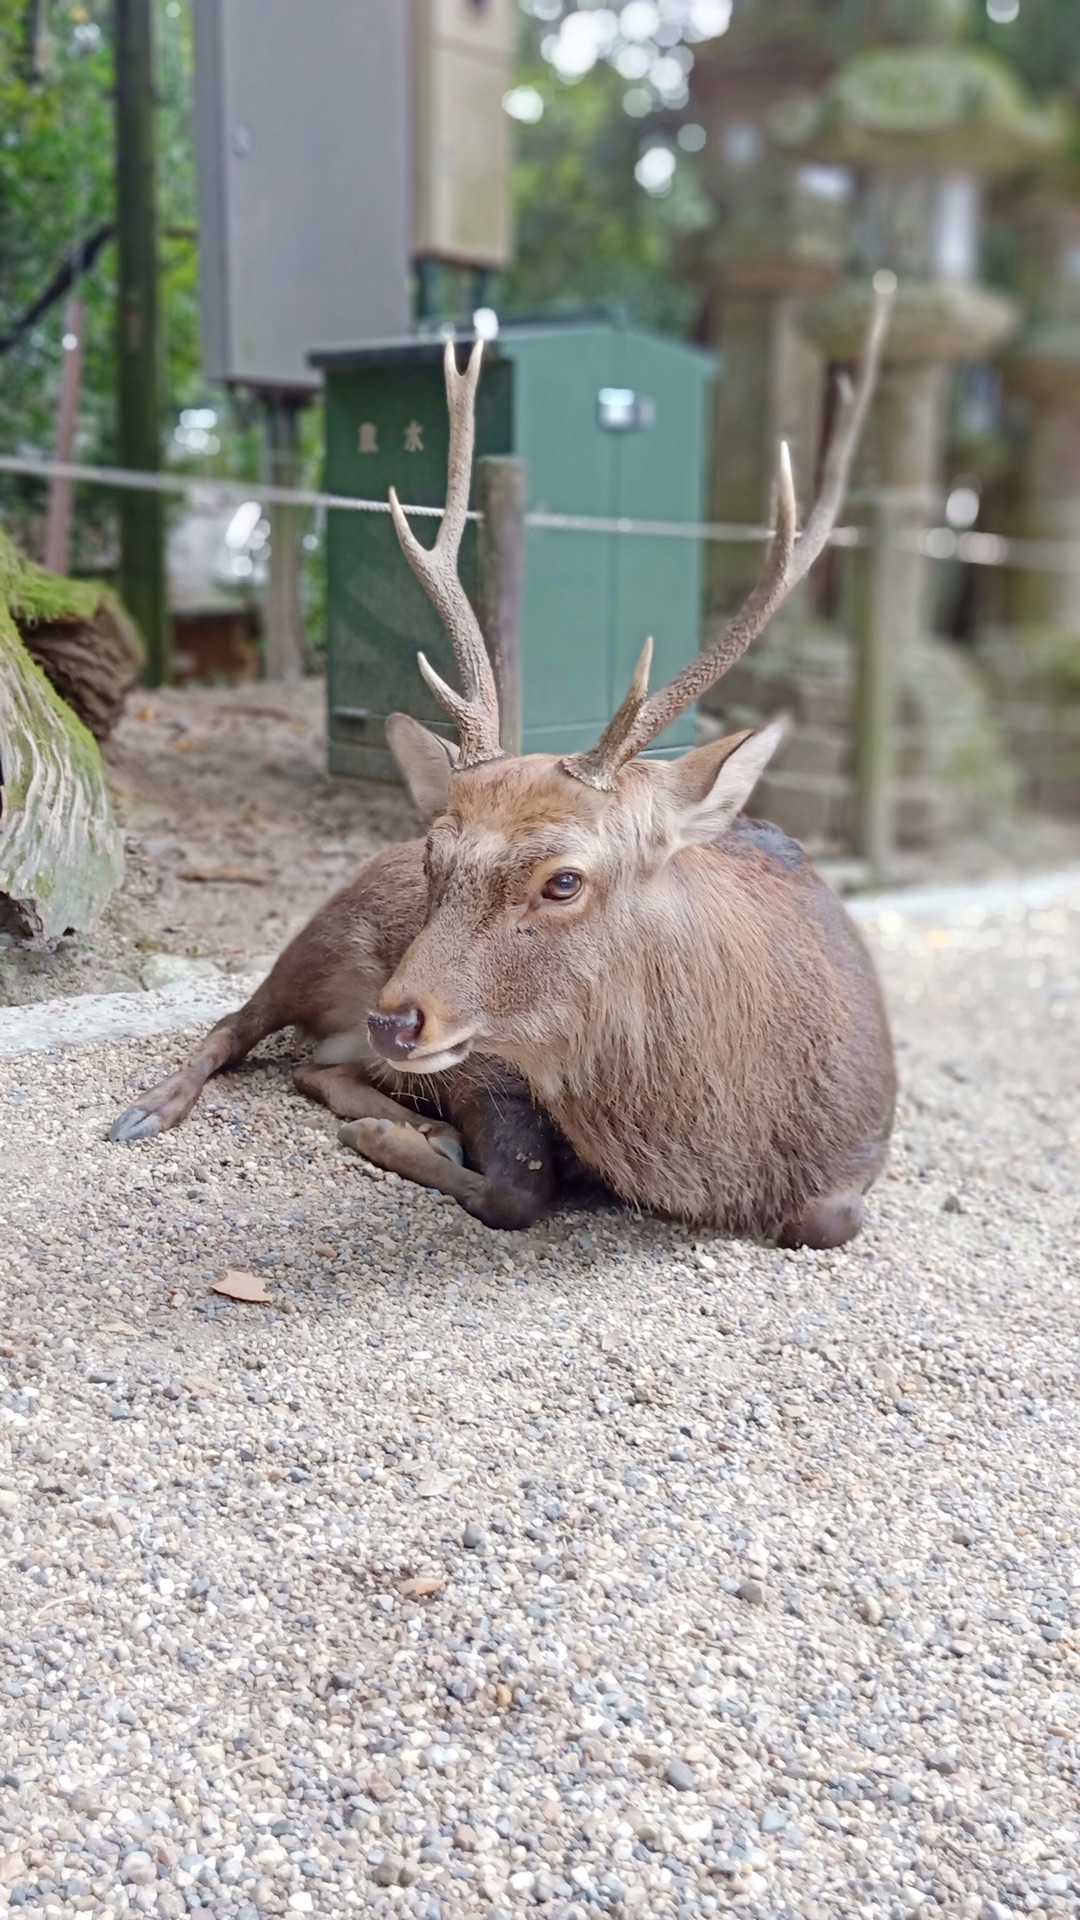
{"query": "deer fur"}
pixel 702 1023
pixel 593 966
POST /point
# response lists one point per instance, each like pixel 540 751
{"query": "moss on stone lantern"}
pixel 778 237
pixel 920 122
pixel 1034 660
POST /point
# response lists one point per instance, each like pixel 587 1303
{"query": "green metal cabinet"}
pixel 590 599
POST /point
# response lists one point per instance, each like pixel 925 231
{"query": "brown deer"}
pixel 592 966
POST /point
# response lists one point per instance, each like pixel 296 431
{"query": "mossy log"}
pixel 61 851
pixel 82 639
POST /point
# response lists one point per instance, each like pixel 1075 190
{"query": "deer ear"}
pixel 426 762
pixel 712 784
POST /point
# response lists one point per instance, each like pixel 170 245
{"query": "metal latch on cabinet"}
pixel 621 410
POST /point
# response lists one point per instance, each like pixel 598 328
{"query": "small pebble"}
pixel 387 1871
pixel 752 1591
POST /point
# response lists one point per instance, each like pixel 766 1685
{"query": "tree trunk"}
pixel 139 363
pixel 61 851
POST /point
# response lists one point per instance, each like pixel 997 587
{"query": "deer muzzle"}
pixel 396 1035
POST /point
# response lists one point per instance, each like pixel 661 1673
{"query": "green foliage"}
pixel 177 211
pixel 1043 42
pixel 56 190
pixel 587 233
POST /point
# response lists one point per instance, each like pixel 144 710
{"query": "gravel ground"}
pixel 593 1570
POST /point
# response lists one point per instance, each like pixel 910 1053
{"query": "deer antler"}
pixel 643 715
pixel 476 715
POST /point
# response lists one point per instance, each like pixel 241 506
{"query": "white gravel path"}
pixel 756 1575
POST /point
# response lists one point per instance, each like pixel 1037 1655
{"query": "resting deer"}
pixel 591 965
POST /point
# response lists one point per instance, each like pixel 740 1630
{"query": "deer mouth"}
pixel 438 1057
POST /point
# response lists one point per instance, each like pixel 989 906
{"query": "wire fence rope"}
pixel 933 542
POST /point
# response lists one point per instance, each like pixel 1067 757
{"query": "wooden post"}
pixel 500 492
pixel 61 492
pixel 875 682
pixel 142 515
pixel 283 646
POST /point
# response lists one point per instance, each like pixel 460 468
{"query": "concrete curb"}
pixel 965 905
pixel 86 1020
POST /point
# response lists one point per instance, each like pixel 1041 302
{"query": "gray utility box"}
pixel 611 422
pixel 304 150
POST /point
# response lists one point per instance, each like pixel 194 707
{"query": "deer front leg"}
pixel 348 1094
pixel 324 981
pixel 171 1100
pixel 510 1141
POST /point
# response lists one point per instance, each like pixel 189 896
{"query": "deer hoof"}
pixel 830 1221
pixel 135 1124
pixel 449 1146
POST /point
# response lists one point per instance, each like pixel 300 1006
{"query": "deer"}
pixel 593 972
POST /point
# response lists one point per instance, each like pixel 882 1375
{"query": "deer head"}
pixel 545 873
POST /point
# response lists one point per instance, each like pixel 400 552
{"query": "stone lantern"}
pixel 921 123
pixel 1034 660
pixel 778 237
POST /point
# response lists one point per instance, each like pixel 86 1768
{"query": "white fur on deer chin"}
pixel 436 1062
pixel 346 1049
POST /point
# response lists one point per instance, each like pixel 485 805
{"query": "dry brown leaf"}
pixel 241 1286
pixel 422 1587
pixel 224 876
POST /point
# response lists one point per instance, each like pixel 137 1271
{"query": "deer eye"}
pixel 561 886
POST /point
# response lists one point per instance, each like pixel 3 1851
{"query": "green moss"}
pixel 53 884
pixel 1035 663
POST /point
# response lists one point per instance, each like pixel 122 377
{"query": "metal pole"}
pixel 283 649
pixel 61 490
pixel 501 488
pixel 875 692
pixel 429 289
pixel 142 517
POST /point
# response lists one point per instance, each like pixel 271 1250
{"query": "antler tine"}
pixel 620 742
pixel 847 430
pixel 622 724
pixel 476 715
pixel 639 720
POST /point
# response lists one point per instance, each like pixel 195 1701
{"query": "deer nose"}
pixel 395 1035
